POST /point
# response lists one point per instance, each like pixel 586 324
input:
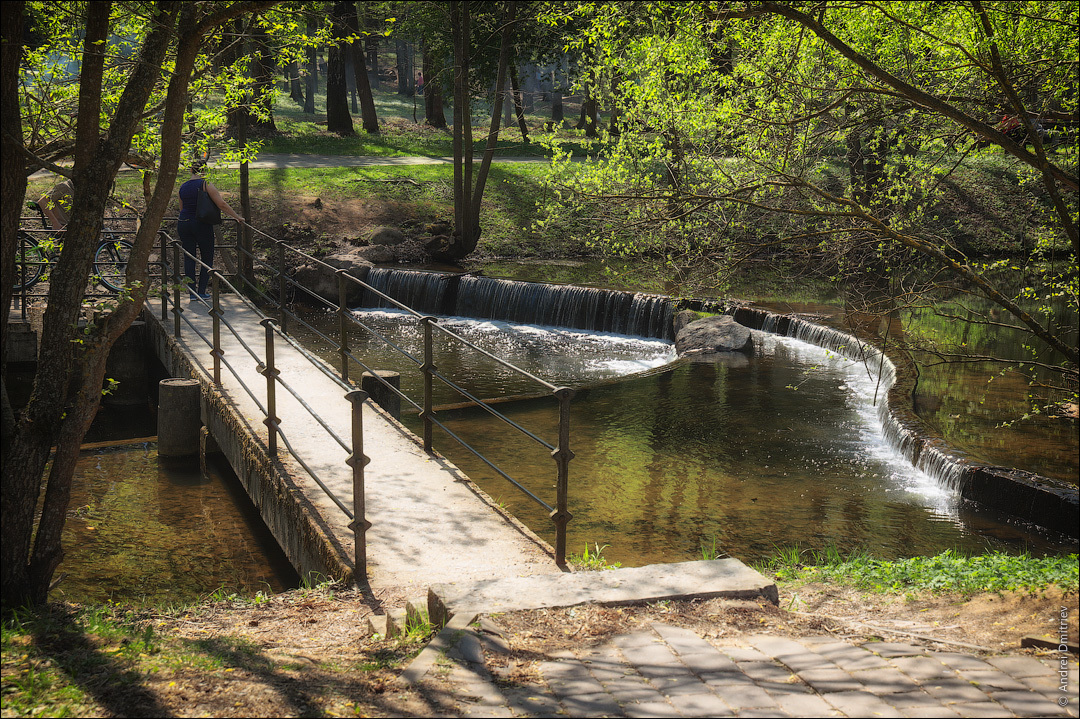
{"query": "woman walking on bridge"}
pixel 196 233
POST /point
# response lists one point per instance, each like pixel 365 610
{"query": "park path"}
pixel 668 671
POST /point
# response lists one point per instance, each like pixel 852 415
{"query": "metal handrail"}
pixel 560 451
pixel 266 366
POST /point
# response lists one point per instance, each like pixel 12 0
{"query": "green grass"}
pixel 402 132
pixel 593 561
pixel 947 572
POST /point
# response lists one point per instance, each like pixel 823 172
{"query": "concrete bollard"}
pixel 179 417
pixel 127 365
pixel 380 393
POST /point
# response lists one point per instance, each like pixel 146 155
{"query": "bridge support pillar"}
pixel 179 417
pixel 127 364
pixel 380 393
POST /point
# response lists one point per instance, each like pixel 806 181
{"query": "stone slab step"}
pixel 728 578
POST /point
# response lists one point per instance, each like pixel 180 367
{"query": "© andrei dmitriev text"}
pixel 1063 658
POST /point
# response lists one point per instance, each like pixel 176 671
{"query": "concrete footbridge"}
pixel 428 522
pixel 348 491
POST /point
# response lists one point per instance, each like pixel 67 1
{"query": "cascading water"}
pixel 584 308
pixel 647 315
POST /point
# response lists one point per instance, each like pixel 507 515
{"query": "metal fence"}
pixel 171 287
pixel 273 296
pixel 281 286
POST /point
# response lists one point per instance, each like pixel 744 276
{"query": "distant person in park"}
pixel 197 235
pixel 419 83
pixel 56 205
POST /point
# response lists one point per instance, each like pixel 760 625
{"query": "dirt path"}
pixel 305 652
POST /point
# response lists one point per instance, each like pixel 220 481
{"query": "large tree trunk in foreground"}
pixel 50 416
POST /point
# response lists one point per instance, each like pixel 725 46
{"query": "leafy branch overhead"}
pixel 751 131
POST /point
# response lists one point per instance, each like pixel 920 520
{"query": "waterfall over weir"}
pixel 583 308
pixel 1024 495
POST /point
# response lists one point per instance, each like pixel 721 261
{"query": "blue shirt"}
pixel 189 196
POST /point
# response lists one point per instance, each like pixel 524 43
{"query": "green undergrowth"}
pixel 591 561
pixel 948 572
pixel 116 659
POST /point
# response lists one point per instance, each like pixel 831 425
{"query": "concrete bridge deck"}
pixel 430 523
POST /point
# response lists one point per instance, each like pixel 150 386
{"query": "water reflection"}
pixel 143 529
pixel 784 448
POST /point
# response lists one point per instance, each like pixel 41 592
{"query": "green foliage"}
pixel 947 572
pixel 711 551
pixel 593 561
pixel 756 132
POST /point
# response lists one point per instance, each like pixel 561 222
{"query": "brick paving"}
pixel 668 671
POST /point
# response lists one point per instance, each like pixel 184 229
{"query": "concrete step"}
pixel 400 620
pixel 727 578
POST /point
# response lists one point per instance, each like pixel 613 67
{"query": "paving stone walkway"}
pixel 668 671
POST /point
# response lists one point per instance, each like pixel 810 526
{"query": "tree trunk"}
pixel 49 417
pixel 371 45
pixel 464 225
pixel 12 171
pixel 368 116
pixel 467 198
pixel 350 79
pixel 404 67
pixel 557 115
pixel 519 108
pixel 292 77
pixel 613 123
pixel 264 82
pixel 433 102
pixel 338 119
pixel 13 549
pixel 312 78
pixel 587 119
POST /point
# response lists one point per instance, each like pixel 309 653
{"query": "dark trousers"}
pixel 195 235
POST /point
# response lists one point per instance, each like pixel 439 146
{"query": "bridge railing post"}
pixel 271 373
pixel 343 324
pixel 562 456
pixel 177 268
pixel 357 461
pixel 215 312
pixel 282 285
pixel 428 369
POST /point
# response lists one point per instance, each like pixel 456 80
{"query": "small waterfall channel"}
pixel 532 303
pixel 1025 496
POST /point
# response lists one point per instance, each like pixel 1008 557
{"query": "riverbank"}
pixel 305 652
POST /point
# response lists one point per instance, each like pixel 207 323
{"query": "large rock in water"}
pixel 713 335
pixel 322 281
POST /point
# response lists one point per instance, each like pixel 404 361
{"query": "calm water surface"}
pixel 754 454
pixel 143 529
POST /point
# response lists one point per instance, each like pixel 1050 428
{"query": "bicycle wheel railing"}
pixel 37 250
pixel 281 285
pixel 266 366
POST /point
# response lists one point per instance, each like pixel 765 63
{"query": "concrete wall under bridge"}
pixel 429 522
pixel 273 486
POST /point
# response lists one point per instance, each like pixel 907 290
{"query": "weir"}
pixel 533 303
pixel 1026 496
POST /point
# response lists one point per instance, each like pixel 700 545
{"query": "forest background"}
pixel 913 154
